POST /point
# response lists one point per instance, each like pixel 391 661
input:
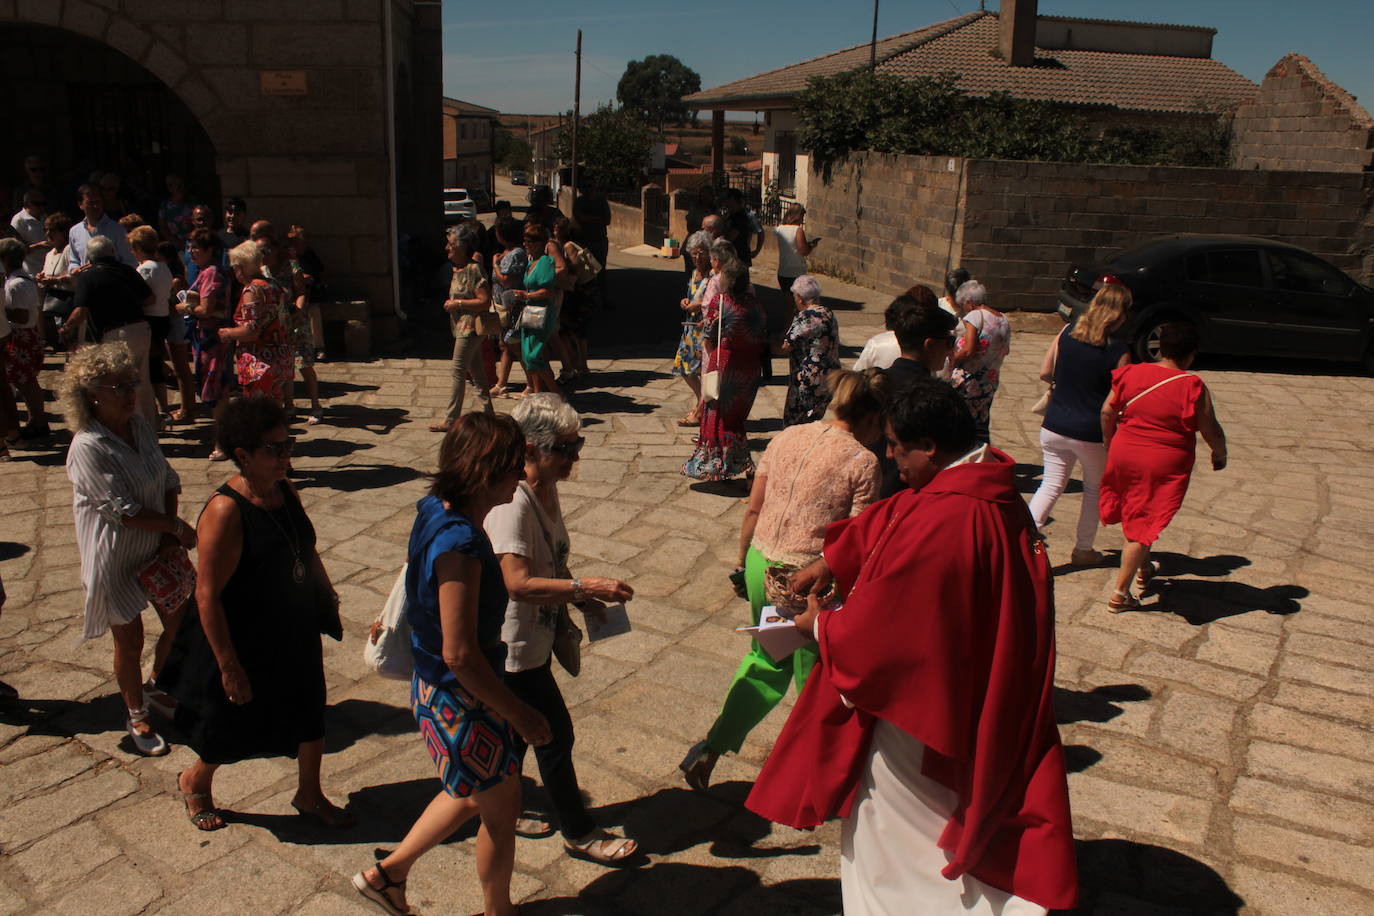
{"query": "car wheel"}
pixel 1146 346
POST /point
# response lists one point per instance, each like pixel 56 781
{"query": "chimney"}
pixel 1016 24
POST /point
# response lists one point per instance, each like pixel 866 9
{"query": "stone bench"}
pixel 357 325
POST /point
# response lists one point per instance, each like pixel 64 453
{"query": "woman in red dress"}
pixel 1150 424
pixel 265 360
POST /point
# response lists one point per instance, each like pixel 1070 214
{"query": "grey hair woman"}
pixel 469 295
pixel 124 501
pixel 985 340
pixel 529 537
pixel 687 361
pixel 812 342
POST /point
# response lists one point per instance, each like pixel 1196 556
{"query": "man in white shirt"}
pixel 28 222
pixel 96 222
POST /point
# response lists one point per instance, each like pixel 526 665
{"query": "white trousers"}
pixel 139 338
pixel 1061 453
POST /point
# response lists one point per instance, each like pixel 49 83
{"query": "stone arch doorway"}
pixel 86 107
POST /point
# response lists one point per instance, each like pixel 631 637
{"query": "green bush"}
pixel 931 116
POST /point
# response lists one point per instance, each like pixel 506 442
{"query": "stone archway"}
pixel 92 91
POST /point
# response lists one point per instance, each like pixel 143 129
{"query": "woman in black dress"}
pixel 247 671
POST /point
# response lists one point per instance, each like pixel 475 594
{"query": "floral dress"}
pixel 722 448
pixel 814 340
pixel 213 357
pixel 977 379
pixel 266 365
pixel 687 362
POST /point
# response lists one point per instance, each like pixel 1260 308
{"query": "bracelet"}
pixel 579 595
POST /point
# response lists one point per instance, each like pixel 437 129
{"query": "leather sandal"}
pixel 696 767
pixel 1122 601
pixel 1148 570
pixel 602 847
pixel 379 895
pixel 207 818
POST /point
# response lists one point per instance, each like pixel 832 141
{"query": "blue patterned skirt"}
pixel 472 748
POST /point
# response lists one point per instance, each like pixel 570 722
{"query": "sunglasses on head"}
pixel 568 449
pixel 278 449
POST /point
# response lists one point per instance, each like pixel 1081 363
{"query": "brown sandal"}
pixel 1122 601
pixel 1148 570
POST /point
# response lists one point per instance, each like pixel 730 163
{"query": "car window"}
pixel 1297 274
pixel 1236 267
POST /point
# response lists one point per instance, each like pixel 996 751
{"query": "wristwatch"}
pixel 579 595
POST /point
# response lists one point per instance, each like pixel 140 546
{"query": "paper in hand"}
pixel 777 635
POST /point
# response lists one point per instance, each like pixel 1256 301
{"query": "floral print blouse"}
pixel 814 339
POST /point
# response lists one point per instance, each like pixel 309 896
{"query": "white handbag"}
pixel 710 381
pixel 387 649
pixel 532 318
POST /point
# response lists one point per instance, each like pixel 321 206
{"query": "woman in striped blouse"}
pixel 125 506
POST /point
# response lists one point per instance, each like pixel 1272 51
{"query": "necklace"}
pixel 297 568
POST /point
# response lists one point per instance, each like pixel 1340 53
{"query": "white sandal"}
pixel 151 744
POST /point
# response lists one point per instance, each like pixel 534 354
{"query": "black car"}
pixel 1247 296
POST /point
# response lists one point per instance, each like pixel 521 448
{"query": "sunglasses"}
pixel 128 386
pixel 279 449
pixel 568 449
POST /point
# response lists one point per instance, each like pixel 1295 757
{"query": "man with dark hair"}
pixel 928 724
pixel 925 336
pixel 96 223
pixel 738 229
pixel 235 231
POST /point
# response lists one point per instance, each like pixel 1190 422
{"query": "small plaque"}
pixel 282 82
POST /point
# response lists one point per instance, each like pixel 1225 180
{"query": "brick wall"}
pixel 891 221
pixel 1302 121
pixel 895 220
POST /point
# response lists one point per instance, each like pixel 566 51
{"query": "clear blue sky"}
pixel 519 58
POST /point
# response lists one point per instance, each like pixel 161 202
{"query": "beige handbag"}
pixel 710 381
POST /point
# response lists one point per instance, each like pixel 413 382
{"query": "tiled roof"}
pixel 1135 82
pixel 790 80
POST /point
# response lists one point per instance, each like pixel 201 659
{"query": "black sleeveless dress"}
pixel 275 630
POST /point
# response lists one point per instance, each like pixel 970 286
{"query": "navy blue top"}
pixel 1082 381
pixel 438 531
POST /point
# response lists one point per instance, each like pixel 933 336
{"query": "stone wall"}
pixel 1302 121
pixel 318 158
pixel 891 221
pixel 888 220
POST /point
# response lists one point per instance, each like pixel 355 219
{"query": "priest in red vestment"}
pixel 928 723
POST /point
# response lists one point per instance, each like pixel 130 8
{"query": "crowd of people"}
pixel 204 312
pixel 882 491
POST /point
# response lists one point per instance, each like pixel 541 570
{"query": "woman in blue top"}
pixel 1079 364
pixel 541 289
pixel 469 719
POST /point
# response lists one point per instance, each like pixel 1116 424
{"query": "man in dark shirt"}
pixel 737 226
pixel 592 216
pixel 110 295
pixel 925 333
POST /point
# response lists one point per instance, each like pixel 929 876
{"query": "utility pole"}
pixel 577 111
pixel 873 43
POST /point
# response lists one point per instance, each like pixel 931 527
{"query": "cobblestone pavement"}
pixel 1220 741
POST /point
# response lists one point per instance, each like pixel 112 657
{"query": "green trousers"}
pixel 761 681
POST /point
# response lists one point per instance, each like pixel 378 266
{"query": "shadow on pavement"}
pixel 9 550
pixel 1078 757
pixel 1097 705
pixel 1027 477
pixel 594 401
pixel 1121 876
pixel 1201 602
pixel 378 420
pixel 355 477
pixel 720 890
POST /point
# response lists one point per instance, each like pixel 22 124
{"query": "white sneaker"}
pixel 149 745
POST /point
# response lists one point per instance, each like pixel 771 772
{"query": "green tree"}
pixel 512 150
pixel 653 88
pixel 613 147
pixel 931 116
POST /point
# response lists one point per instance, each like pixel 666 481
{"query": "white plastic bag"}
pixel 387 650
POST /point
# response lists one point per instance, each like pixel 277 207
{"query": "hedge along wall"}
pixel 1017 226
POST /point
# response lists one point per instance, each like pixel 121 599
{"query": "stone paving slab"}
pixel 1219 740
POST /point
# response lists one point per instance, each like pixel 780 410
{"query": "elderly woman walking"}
pixel 247 669
pixel 125 506
pixel 469 298
pixel 23 347
pixel 471 722
pixel 977 363
pixel 810 475
pixel 540 301
pixel 265 363
pixel 205 312
pixel 813 342
pixel 687 360
pixel 1150 424
pixel 732 346
pixel 529 537
pixel 1079 364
